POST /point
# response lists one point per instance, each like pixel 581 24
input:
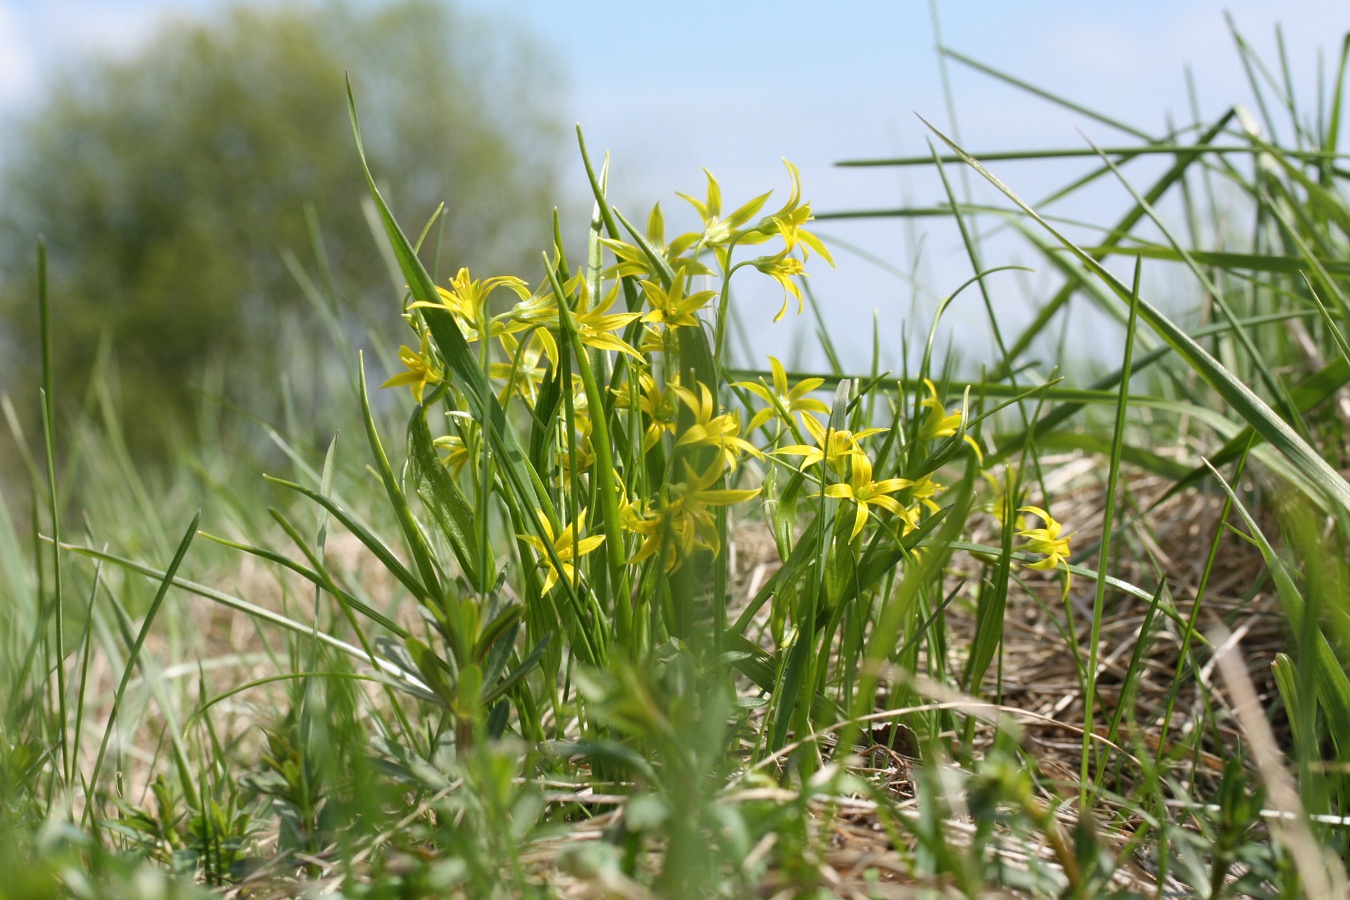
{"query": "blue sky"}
pixel 734 86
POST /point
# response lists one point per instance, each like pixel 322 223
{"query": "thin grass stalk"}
pixel 1189 631
pixel 251 610
pixel 150 674
pixel 1327 482
pixel 1333 683
pixel 1118 155
pixel 1257 360
pixel 135 650
pixel 1044 94
pixel 86 651
pixel 972 251
pixel 1104 553
pixel 603 471
pixel 1319 871
pixel 800 673
pixel 57 608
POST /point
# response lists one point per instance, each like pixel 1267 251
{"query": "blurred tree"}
pixel 168 186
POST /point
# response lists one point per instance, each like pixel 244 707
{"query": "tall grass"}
pixel 508 642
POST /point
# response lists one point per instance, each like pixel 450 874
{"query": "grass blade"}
pixel 164 583
pixel 1239 397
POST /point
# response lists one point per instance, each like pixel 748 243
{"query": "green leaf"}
pixel 793 694
pixel 166 580
pixel 365 536
pixel 435 671
pixel 526 491
pixel 519 672
pixel 429 589
pixel 1253 262
pixel 1286 681
pixel 438 491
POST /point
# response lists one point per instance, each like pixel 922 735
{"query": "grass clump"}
pixel 611 616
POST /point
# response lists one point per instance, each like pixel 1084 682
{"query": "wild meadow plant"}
pixel 559 678
pixel 579 449
pixel 576 457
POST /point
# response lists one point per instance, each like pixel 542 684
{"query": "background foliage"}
pixel 170 186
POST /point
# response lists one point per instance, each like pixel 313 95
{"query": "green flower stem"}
pixel 723 304
pixel 603 469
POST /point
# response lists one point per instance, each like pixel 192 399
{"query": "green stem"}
pixel 603 469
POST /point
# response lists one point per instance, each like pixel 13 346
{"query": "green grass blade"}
pixel 1118 154
pixel 1333 684
pixel 1252 262
pixel 318 577
pixel 1104 552
pixel 1216 295
pixel 470 378
pixel 238 604
pixel 989 614
pixel 164 583
pixel 429 589
pixel 1240 398
pixel 794 691
pixel 363 534
pixel 57 604
pixel 1044 94
pixel 920 575
pixel 606 486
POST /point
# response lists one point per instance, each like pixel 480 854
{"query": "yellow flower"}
pixel 455 450
pixel 565 545
pixel 834 447
pixel 661 406
pixel 789 220
pixel 863 491
pixel 997 501
pixel 422 370
pixel 784 402
pixel 672 308
pixel 720 431
pixel 679 521
pixel 1045 540
pixel 594 324
pixel 468 301
pixel 718 232
pixel 523 375
pixel 940 423
pixel 585 451
pixel 782 269
pixel 633 260
pixel 923 490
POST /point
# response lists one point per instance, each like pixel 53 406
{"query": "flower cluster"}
pixel 617 352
